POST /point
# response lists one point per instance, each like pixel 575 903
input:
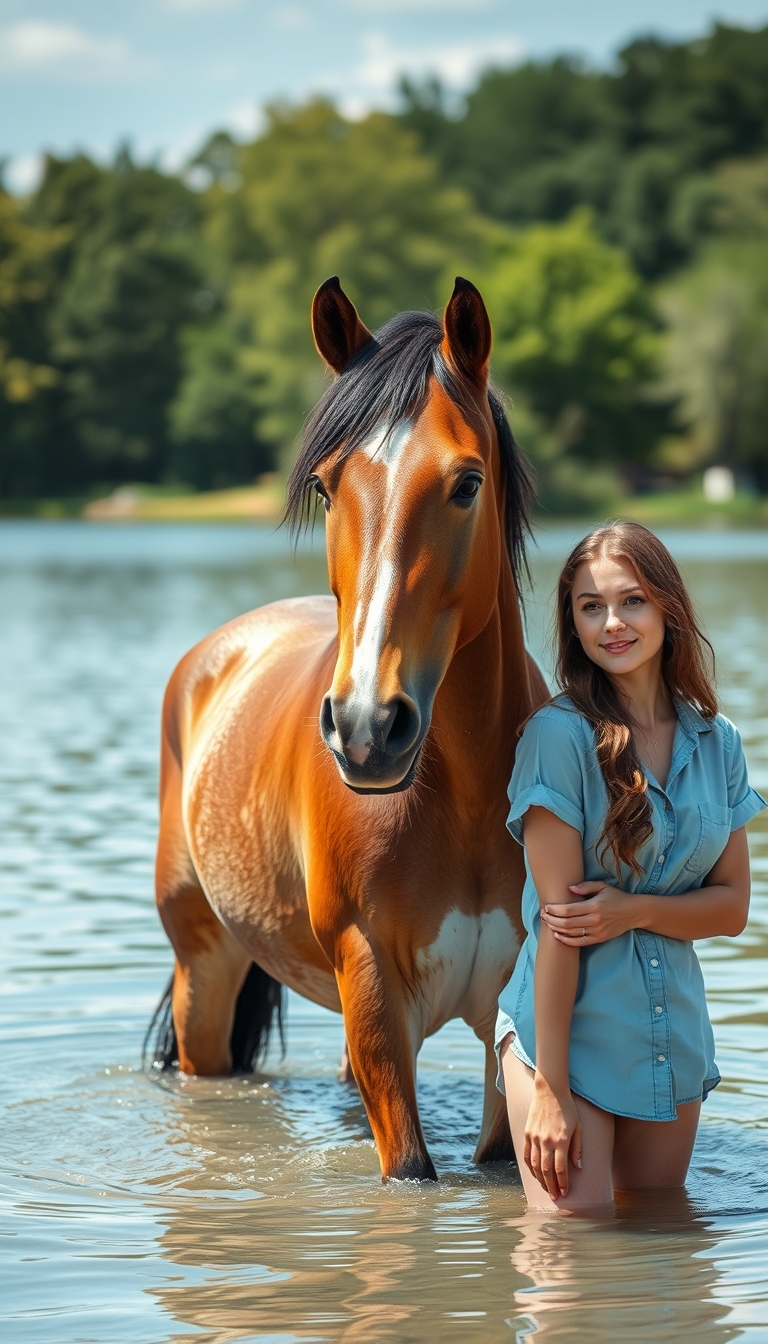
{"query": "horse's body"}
pixel 375 877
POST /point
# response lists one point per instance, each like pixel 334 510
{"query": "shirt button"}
pixel 660 858
pixel 658 1009
pixel 661 1058
pixel 654 962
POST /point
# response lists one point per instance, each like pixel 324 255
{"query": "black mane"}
pixel 388 381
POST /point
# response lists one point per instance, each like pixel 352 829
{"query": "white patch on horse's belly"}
pixel 463 971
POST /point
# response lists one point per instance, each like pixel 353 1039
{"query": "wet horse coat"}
pixel 334 768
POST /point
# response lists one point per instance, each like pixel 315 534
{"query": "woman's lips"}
pixel 619 646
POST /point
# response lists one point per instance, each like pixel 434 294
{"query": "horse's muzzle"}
pixel 375 749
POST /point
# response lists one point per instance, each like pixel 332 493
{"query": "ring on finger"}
pixel 584 933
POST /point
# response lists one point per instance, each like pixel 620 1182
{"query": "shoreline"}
pixel 264 502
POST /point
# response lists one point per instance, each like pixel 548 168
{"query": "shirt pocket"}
pixel 714 832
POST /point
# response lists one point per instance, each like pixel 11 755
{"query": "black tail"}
pixel 259 1004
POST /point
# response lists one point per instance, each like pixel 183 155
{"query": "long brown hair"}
pixel 685 654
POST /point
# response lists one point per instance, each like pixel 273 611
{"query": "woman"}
pixel 630 795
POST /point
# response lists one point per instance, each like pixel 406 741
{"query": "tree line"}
pixel 154 327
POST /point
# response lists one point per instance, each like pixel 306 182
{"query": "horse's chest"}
pixel 462 971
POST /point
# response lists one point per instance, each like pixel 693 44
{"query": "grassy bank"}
pixel 263 502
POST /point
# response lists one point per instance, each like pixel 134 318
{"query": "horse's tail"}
pixel 260 1006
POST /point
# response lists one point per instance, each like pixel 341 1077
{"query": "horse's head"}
pixel 413 459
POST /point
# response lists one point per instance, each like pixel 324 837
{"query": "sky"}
pixel 163 74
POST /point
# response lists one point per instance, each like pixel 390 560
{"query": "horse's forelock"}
pixel 386 382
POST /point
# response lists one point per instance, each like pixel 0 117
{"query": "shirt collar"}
pixel 691 721
pixel 690 724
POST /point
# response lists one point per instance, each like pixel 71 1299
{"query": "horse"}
pixel 334 769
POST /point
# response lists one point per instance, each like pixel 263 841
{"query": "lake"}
pixel 251 1209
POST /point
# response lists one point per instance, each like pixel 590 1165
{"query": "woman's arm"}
pixel 552 1130
pixel 719 908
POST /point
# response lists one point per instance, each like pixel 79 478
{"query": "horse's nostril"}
pixel 327 724
pixel 403 729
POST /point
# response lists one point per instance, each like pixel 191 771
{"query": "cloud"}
pixel 202 6
pixel 291 17
pixel 39 47
pixel 419 6
pixel 456 64
pixel 22 175
pixel 245 120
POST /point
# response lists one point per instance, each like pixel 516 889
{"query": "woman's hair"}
pixel 685 654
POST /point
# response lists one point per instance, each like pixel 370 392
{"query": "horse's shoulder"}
pixel 291 625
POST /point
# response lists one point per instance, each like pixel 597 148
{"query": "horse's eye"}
pixel 467 490
pixel 319 490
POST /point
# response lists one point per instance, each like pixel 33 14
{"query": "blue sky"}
pixel 163 73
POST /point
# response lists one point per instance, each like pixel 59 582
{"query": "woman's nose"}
pixel 613 621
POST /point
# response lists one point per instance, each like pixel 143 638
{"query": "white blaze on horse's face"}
pixel 370 620
pixel 413 552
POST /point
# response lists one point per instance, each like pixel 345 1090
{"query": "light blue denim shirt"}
pixel 641 1040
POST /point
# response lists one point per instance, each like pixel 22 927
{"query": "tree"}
pixel 321 196
pixel 214 416
pixel 576 337
pixel 27 376
pixel 126 284
pixel 716 355
pixel 534 142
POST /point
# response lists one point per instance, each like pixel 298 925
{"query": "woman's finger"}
pixel 535 1160
pixel 561 1168
pixel 564 925
pixel 586 888
pixel 571 940
pixel 576 910
pixel 549 1177
pixel 577 1146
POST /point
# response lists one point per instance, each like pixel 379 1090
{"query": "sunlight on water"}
pixel 251 1209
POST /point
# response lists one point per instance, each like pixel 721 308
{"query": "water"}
pixel 251 1210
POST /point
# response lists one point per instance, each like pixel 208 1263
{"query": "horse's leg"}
pixel 211 967
pixel 345 1068
pixel 495 1141
pixel 382 1056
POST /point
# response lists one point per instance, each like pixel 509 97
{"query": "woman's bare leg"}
pixel 592 1187
pixel 653 1154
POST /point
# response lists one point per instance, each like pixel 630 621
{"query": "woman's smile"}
pixel 619 646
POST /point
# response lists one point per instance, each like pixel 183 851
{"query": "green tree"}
pixel 577 342
pixel 323 196
pixel 633 143
pixel 531 144
pixel 126 285
pixel 716 355
pixel 214 417
pixel 27 377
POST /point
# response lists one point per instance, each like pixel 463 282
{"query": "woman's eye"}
pixel 635 599
pixel 591 606
pixel 468 489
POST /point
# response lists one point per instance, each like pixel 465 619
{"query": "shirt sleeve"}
pixel 745 801
pixel 548 771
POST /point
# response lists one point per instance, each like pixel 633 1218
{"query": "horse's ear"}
pixel 337 329
pixel 467 340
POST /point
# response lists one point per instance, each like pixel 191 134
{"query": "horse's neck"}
pixel 488 690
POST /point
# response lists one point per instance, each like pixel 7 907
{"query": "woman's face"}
pixel 620 628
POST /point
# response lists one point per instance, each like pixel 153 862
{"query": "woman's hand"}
pixel 603 912
pixel 552 1133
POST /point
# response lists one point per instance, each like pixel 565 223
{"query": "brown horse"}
pixel 334 769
